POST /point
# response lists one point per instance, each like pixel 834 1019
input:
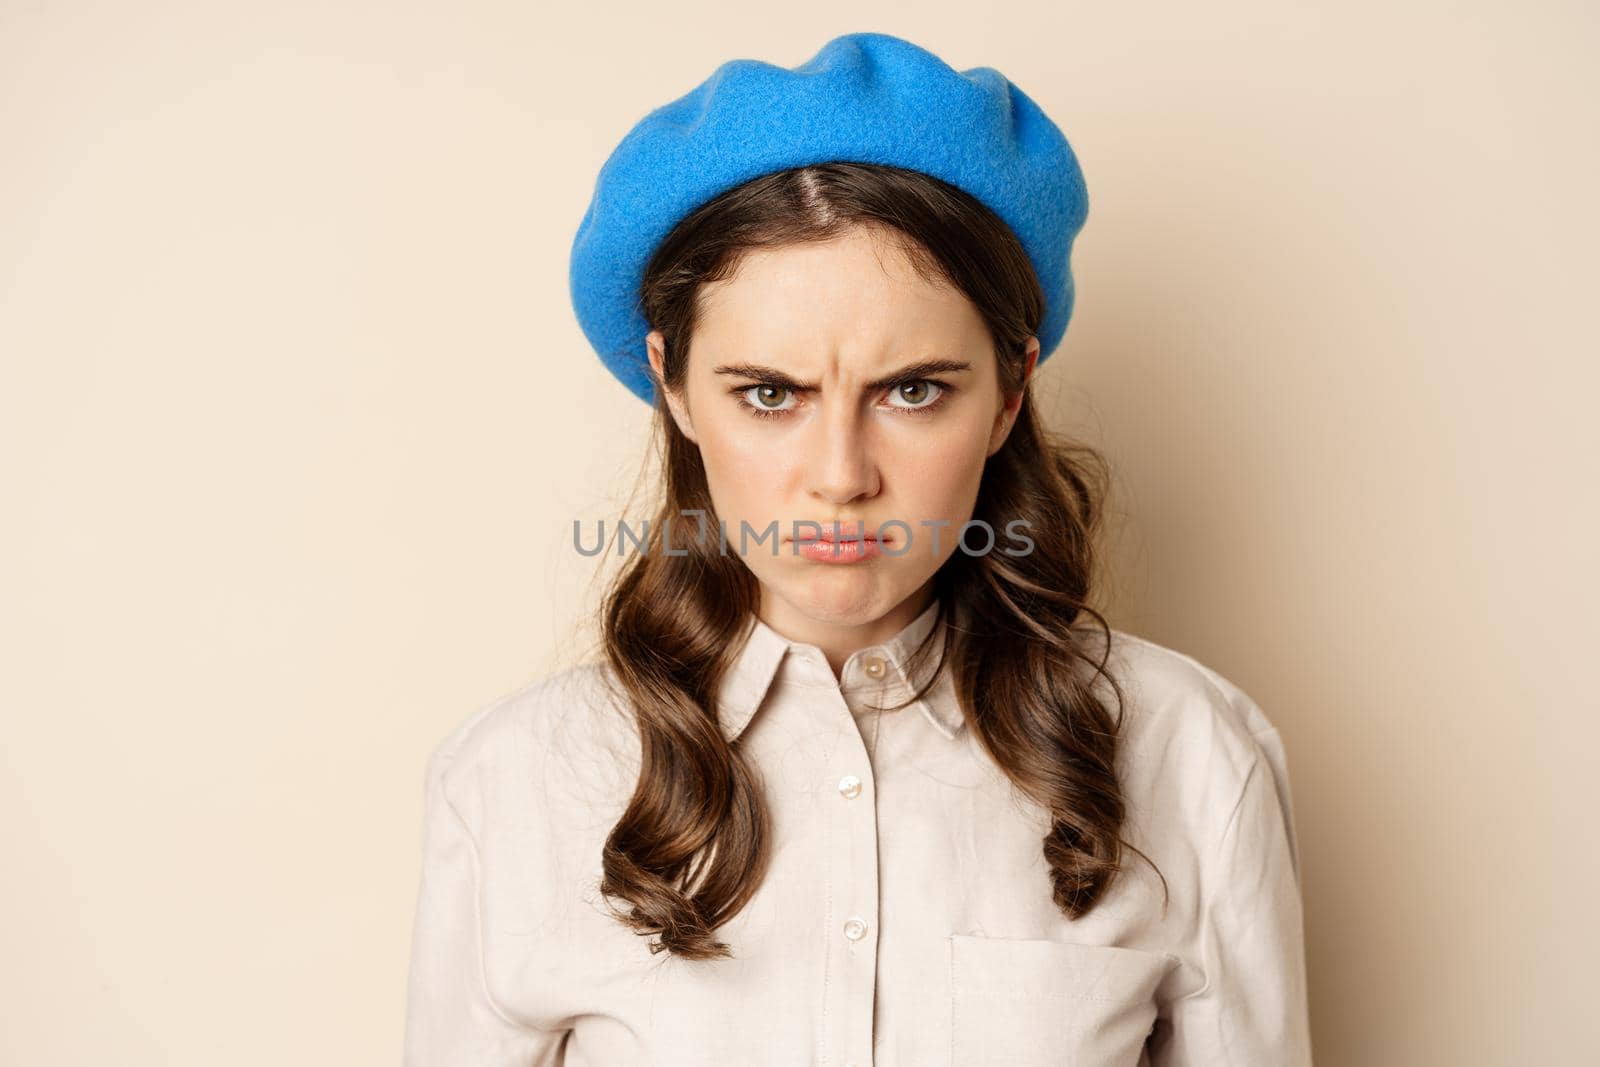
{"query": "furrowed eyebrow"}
pixel 774 376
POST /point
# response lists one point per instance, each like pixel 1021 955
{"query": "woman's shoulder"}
pixel 1196 743
pixel 1180 709
pixel 565 725
pixel 1167 676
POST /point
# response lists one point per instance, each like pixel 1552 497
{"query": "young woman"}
pixel 855 780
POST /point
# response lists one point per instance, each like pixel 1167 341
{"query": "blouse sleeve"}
pixel 452 1020
pixel 1252 1010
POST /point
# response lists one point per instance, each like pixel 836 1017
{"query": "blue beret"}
pixel 865 97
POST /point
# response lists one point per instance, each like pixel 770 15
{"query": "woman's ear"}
pixel 1006 418
pixel 675 403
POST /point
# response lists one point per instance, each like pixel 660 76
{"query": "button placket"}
pixel 852 963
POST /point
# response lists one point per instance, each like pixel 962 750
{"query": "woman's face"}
pixel 831 383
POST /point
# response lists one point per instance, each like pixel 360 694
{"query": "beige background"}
pixel 295 418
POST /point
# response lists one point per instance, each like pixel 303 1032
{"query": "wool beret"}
pixel 865 97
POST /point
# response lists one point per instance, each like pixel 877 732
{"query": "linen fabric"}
pixel 906 917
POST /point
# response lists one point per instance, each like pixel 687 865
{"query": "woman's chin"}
pixel 843 595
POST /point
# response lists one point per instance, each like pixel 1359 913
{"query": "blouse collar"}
pixel 747 682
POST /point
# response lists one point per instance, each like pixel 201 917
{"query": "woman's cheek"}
pixel 944 473
pixel 743 484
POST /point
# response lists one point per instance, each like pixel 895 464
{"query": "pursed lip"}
pixel 845 532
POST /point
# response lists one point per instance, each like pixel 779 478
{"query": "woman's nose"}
pixel 840 463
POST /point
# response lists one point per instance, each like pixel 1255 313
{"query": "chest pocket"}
pixel 1024 1003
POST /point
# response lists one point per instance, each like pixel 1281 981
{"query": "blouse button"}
pixel 855 929
pixel 875 666
pixel 849 787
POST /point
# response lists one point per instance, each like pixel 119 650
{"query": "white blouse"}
pixel 906 917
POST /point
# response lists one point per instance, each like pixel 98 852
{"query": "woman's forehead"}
pixel 799 302
pixel 858 257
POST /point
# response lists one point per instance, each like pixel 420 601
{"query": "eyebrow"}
pixel 774 376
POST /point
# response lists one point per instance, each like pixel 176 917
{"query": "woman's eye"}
pixel 920 393
pixel 766 398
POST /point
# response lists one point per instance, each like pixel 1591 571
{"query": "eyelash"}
pixel 766 413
